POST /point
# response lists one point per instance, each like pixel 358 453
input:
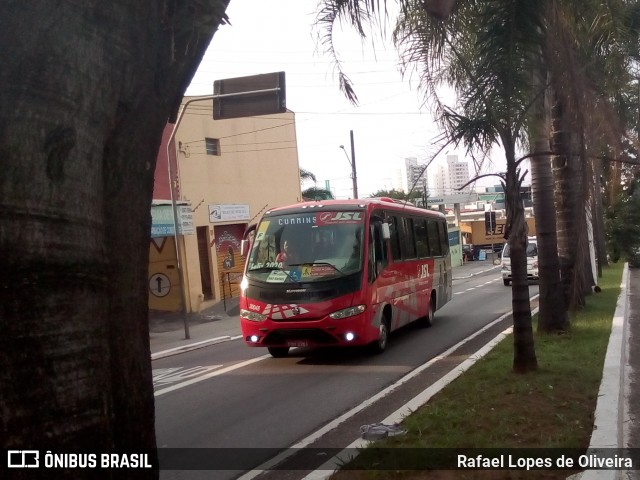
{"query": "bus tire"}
pixel 278 352
pixel 427 320
pixel 380 344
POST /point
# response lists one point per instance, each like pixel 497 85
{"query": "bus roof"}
pixel 381 202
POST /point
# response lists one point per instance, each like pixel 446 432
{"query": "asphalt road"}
pixel 231 397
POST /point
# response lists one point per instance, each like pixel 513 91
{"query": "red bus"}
pixel 341 273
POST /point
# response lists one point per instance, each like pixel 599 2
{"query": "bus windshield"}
pixel 307 247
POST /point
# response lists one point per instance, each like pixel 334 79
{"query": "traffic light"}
pixel 490 222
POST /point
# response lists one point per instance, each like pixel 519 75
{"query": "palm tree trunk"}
pixel 598 218
pixel 571 220
pixel 524 355
pixel 552 316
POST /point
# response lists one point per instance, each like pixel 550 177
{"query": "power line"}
pixel 246 151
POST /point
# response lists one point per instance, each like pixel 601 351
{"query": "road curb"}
pixel 609 416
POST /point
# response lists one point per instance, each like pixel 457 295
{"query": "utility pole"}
pixel 425 195
pixel 354 177
pixel 352 162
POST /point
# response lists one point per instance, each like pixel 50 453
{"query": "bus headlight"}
pixel 348 312
pixel 252 316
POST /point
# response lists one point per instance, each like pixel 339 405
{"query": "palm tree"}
pixel 552 316
pixel 307 175
pixel 435 39
pixel 313 193
pixel 598 37
pixel 485 52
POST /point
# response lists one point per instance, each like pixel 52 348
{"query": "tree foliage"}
pixel 623 222
pixel 502 57
pixel 397 194
pixel 313 193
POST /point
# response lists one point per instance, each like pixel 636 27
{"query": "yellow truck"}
pixel 477 237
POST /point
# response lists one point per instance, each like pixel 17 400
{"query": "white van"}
pixel 532 261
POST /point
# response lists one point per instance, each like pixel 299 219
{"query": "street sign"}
pixel 159 284
pixel 262 94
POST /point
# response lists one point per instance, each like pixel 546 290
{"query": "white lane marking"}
pixel 201 378
pixel 164 376
pixel 187 348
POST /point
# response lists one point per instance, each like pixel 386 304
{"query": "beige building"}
pixel 228 172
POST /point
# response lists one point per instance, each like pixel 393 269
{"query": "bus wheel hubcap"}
pixel 382 335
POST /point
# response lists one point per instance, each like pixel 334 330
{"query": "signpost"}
pixel 490 225
pixel 235 97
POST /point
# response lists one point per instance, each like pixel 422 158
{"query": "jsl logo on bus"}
pixel 423 271
pixel 341 217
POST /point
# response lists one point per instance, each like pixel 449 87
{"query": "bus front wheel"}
pixel 278 352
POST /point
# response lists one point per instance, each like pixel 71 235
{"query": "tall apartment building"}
pixel 414 175
pixel 440 181
pixel 458 172
pixel 447 179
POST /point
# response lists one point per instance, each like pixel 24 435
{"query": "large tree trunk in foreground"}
pixel 86 89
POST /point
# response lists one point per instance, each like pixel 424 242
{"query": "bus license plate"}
pixel 298 343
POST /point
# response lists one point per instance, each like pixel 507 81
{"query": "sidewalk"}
pixel 167 331
pixel 215 324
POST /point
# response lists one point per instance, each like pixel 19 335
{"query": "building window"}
pixel 212 146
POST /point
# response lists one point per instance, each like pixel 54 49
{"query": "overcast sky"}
pixel 389 124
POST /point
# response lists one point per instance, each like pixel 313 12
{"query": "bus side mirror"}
pixel 386 232
pixel 244 247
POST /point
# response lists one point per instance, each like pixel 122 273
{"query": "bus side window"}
pixel 409 244
pixel 444 238
pixel 394 241
pixel 422 244
pixel 435 246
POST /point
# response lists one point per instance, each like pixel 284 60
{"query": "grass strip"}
pixel 491 407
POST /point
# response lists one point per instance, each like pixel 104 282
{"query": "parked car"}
pixel 532 261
